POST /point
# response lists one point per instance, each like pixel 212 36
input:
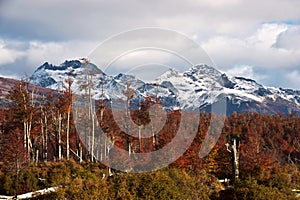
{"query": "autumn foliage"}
pixel 39 128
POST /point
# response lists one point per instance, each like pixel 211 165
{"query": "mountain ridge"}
pixel 201 86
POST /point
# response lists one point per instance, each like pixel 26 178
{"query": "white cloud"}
pixel 90 19
pixel 291 80
pixel 266 36
pixel 233 32
pixel 257 50
pixel 56 52
pixel 245 71
pixel 12 76
pixel 20 57
pixel 8 55
pixel 289 39
pixel 242 71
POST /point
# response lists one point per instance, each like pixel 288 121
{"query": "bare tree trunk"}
pixel 129 149
pixel 139 130
pixel 129 93
pixel 25 134
pixel 27 141
pixel 235 154
pixel 154 138
pixel 234 151
pixel 43 137
pixel 92 118
pixel 29 125
pixel 80 153
pixel 93 137
pixel 46 139
pixel 59 137
pixel 101 116
pixel 105 146
pixel 26 122
pixel 29 144
pixel 140 137
pixel 68 132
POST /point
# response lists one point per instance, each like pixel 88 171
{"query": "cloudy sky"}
pixel 255 39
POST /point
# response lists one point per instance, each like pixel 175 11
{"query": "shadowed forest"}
pixel 40 148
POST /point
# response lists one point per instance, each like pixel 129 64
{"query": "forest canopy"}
pixel 38 140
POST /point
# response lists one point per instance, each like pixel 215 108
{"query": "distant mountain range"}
pixel 200 87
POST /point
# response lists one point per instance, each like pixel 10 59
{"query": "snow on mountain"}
pixel 200 86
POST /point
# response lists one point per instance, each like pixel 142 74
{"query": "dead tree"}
pixel 87 82
pixel 233 149
pixel 129 94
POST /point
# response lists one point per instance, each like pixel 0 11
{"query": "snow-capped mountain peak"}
pixel 199 86
pixel 204 70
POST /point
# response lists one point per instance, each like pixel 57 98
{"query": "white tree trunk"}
pixel 59 137
pixel 93 136
pixel 234 151
pixel 80 153
pixel 68 132
pixel 235 154
pixel 43 137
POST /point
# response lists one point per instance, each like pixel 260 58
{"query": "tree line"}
pixel 38 128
